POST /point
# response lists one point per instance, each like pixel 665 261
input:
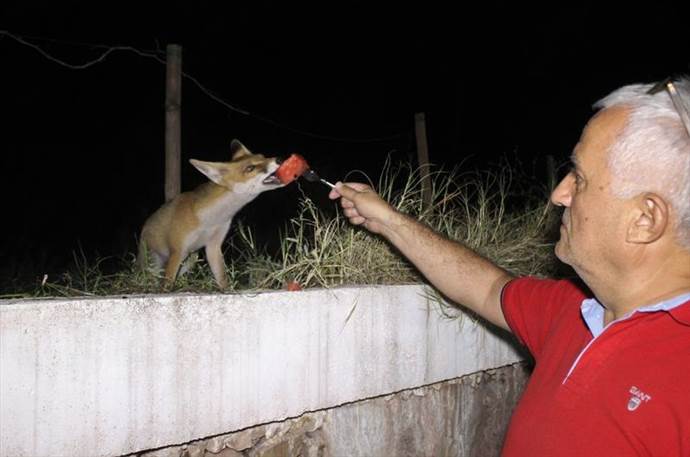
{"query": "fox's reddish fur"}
pixel 202 217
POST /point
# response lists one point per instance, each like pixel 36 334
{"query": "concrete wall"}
pixel 462 417
pixel 112 376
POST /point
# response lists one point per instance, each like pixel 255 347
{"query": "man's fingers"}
pixel 345 190
pixel 333 194
pixel 358 220
pixel 350 212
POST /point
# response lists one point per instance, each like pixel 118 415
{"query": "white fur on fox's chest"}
pixel 215 219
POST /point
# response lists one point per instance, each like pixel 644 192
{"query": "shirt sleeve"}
pixel 531 306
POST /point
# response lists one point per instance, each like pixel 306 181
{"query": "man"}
pixel 612 363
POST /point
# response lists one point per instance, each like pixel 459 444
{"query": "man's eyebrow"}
pixel 574 162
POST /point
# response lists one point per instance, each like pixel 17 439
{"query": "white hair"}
pixel 652 152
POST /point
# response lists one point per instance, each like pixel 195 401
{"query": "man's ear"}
pixel 238 150
pixel 213 171
pixel 651 219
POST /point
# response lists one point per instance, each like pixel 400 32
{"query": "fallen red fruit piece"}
pixel 293 286
pixel 292 168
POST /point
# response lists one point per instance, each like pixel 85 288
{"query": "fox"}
pixel 201 218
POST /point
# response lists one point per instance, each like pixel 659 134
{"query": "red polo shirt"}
pixel 624 392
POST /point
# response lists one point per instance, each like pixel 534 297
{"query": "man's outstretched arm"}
pixel 455 270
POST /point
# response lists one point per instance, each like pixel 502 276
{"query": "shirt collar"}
pixel 593 312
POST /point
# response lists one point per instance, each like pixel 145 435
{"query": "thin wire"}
pixel 215 97
pixel 158 50
pixel 156 56
pixel 87 64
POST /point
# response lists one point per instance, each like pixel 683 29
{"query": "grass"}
pixel 503 217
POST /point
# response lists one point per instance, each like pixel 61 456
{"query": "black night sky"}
pixel 81 151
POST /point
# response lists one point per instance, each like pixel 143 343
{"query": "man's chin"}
pixel 561 253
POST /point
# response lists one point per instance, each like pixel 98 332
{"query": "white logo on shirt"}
pixel 637 397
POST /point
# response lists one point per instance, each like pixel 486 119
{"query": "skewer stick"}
pixel 332 186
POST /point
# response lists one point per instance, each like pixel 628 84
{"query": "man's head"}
pixel 630 185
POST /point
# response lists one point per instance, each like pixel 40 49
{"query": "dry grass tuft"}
pixel 494 213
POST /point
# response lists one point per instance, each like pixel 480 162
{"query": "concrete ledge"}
pixel 112 376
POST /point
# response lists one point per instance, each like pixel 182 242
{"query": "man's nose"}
pixel 562 195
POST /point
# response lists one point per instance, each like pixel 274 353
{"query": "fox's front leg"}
pixel 215 259
pixel 172 267
pixel 214 256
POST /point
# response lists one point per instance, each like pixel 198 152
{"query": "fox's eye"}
pixel 249 168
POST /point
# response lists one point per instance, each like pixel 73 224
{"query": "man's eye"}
pixel 578 180
pixel 249 168
pixel 576 176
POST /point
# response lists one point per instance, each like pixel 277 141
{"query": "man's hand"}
pixel 363 206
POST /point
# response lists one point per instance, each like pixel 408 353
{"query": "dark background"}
pixel 81 151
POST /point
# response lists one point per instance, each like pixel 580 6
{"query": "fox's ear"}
pixel 238 150
pixel 213 171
